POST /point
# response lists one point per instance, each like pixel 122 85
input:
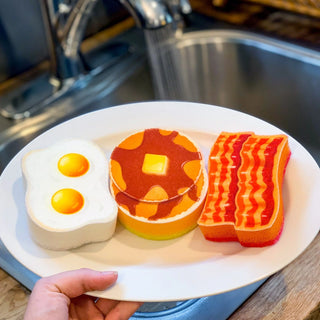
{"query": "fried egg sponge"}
pixel 67 198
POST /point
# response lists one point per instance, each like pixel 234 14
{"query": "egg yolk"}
pixel 73 165
pixel 67 201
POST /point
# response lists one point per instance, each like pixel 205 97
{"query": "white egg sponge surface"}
pixel 67 198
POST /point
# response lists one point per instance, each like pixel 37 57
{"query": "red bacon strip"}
pixel 259 213
pixel 244 200
pixel 217 219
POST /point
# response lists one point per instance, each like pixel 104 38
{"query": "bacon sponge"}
pixel 244 200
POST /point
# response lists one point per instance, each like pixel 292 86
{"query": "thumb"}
pixel 77 282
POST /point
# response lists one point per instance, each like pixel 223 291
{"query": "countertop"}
pixel 292 293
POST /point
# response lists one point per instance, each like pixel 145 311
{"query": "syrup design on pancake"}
pixel 155 165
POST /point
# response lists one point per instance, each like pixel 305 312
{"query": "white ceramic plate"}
pixel 179 269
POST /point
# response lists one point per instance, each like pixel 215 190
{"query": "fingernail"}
pixel 110 273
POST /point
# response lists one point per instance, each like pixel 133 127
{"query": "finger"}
pixel 84 308
pixel 77 282
pixel 105 305
pixel 123 310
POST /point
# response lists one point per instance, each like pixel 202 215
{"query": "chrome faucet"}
pixel 65 41
pixel 64 37
pixel 65 26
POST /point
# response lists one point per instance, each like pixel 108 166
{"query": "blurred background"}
pixel 23 42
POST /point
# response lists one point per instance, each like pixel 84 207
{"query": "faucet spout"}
pixel 65 39
pixel 149 14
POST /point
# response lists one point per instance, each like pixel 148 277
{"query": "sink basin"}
pixel 270 79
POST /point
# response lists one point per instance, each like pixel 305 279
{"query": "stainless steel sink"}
pixel 273 80
pixel 276 81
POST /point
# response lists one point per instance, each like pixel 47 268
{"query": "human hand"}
pixel 62 297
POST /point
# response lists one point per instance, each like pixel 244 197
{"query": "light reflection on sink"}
pixel 272 80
